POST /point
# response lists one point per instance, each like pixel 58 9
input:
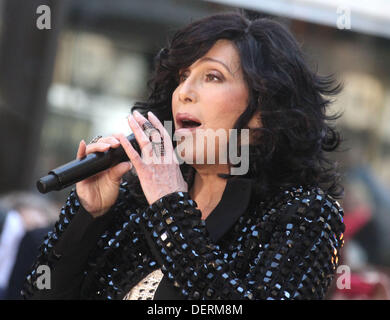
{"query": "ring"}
pixel 147 126
pixel 149 129
pixel 95 139
pixel 158 147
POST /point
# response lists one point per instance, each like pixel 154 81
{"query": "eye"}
pixel 182 76
pixel 212 77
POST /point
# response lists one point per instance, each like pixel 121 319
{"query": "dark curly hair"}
pixel 292 100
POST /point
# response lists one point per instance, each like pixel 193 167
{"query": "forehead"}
pixel 226 52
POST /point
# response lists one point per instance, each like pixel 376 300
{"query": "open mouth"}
pixel 189 124
pixel 187 121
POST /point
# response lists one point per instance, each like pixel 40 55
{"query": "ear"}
pixel 255 122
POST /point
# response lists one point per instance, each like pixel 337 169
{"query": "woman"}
pixel 273 232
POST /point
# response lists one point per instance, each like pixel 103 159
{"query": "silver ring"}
pixel 94 140
pixel 149 129
pixel 147 126
pixel 158 147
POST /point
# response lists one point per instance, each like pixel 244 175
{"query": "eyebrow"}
pixel 217 61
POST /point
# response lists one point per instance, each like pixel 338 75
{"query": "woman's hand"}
pixel 159 175
pixel 99 192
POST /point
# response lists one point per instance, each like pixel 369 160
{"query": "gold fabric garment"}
pixel 146 288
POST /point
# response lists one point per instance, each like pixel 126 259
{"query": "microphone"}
pixel 80 169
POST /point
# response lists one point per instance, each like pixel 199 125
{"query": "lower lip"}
pixel 187 130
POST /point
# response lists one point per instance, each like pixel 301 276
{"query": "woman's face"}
pixel 213 91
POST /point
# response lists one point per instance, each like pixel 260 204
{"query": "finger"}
pixel 169 154
pixel 139 134
pixel 81 150
pixel 111 140
pixel 133 155
pixel 119 170
pixel 155 135
pixel 117 136
pixel 97 147
pixel 164 133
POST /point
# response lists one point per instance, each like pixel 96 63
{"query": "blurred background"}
pixel 73 69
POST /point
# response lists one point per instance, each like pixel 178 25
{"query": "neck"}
pixel 207 189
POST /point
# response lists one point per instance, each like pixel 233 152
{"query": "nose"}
pixel 187 92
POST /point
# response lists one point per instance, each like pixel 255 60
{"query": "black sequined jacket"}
pixel 284 248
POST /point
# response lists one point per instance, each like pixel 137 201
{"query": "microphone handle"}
pixel 80 169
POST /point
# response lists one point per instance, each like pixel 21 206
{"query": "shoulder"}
pixel 307 205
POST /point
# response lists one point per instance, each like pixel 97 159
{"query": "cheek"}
pixel 173 100
pixel 229 105
pixel 237 100
pixel 174 104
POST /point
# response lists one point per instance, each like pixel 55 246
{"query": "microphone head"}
pixel 47 183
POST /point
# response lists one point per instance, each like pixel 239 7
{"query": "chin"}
pixel 186 154
pixel 192 151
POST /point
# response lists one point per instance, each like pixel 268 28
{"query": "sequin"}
pixel 267 254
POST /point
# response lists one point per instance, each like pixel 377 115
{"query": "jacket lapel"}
pixel 234 202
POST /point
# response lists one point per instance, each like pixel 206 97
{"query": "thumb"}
pixel 119 170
